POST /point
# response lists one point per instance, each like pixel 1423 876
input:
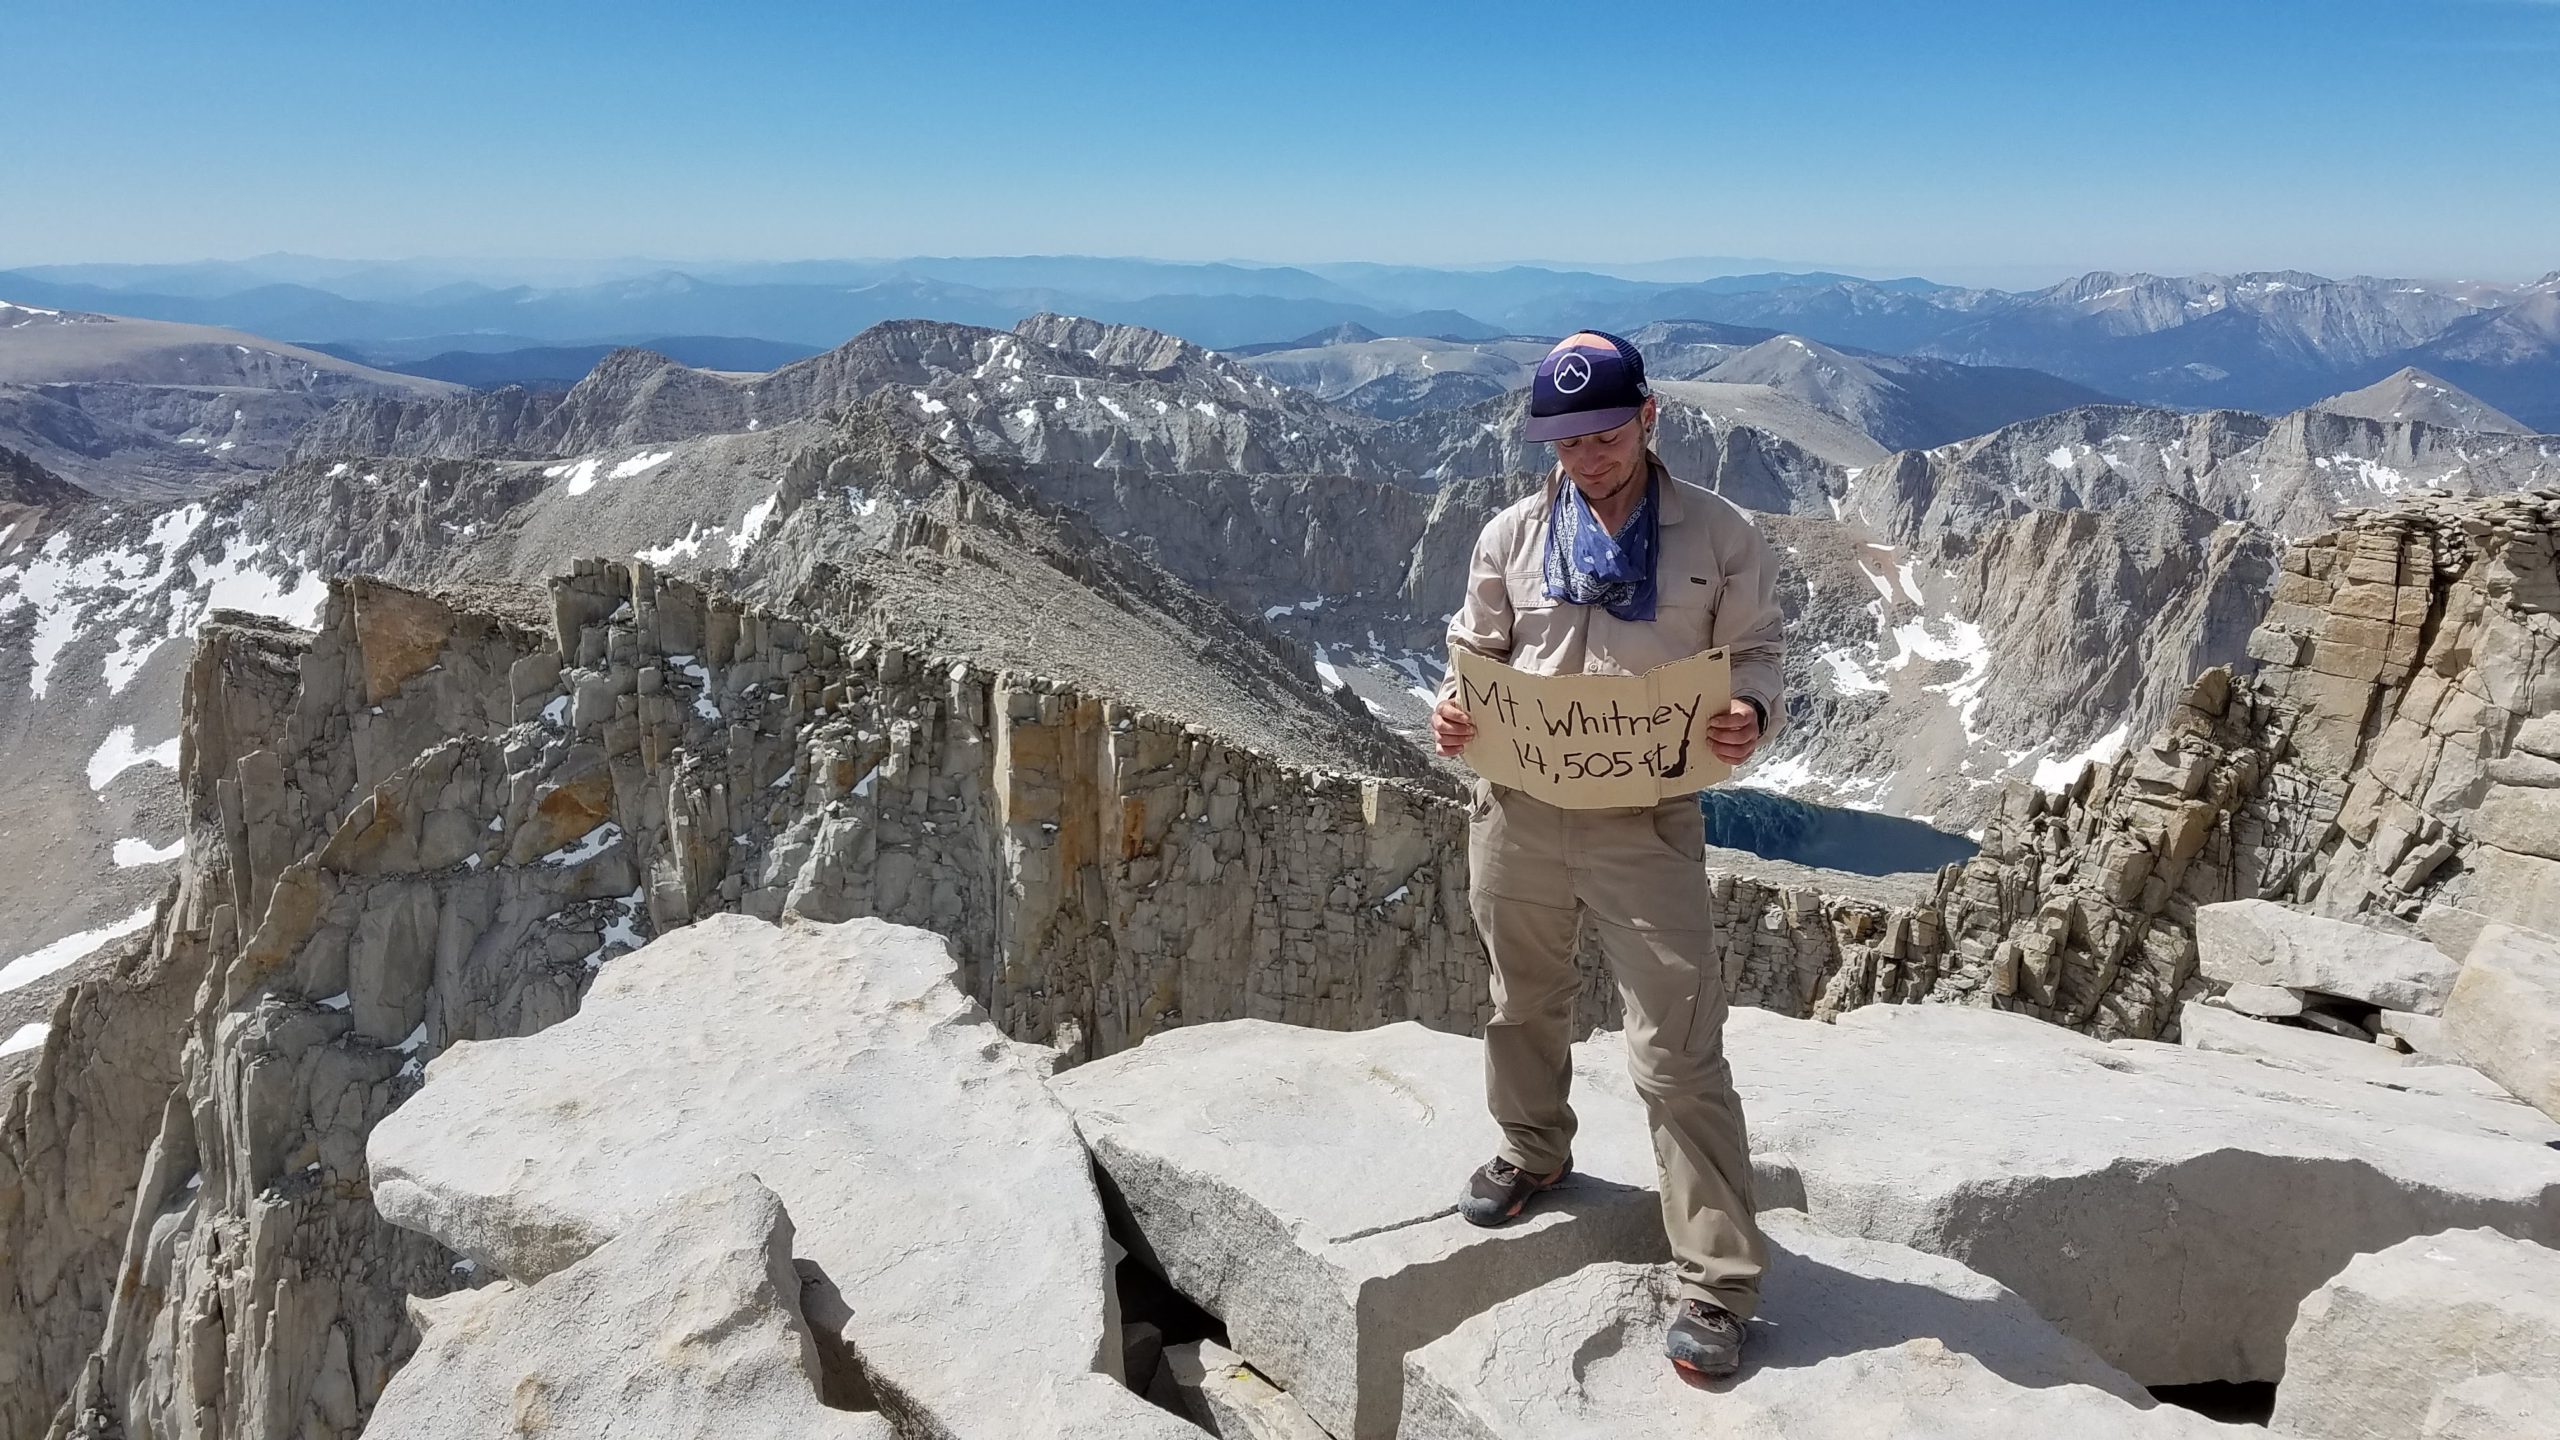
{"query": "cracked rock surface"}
pixel 1302 1186
pixel 687 1324
pixel 934 1184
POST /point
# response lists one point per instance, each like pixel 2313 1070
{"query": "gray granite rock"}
pixel 2374 1350
pixel 1857 1339
pixel 2258 942
pixel 2203 1026
pixel 1301 1185
pixel 2494 1407
pixel 2504 1015
pixel 2267 1002
pixel 610 1347
pixel 937 1187
pixel 1226 1398
pixel 2167 1206
pixel 2422 1034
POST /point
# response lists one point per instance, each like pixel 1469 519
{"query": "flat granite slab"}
pixel 1857 1340
pixel 1301 1185
pixel 2167 1206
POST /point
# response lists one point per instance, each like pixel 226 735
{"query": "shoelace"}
pixel 1709 1315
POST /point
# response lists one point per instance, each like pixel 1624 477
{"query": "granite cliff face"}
pixel 2385 763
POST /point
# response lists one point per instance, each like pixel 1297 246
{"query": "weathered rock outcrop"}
pixel 933 1184
pixel 74 1138
pixel 2377 1349
pixel 1225 1397
pixel 609 1347
pixel 2405 660
pixel 2206 1025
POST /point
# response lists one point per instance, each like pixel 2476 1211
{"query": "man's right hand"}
pixel 1451 727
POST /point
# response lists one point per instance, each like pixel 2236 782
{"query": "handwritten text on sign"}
pixel 1593 741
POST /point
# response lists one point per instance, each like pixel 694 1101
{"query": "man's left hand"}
pixel 1734 734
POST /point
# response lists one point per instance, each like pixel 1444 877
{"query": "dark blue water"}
pixel 1863 842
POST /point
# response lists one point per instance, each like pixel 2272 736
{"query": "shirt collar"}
pixel 1666 496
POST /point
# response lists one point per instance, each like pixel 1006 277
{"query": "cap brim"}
pixel 1579 422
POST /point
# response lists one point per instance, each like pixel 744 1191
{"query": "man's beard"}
pixel 1634 473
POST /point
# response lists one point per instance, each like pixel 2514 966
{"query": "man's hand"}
pixel 1733 735
pixel 1452 727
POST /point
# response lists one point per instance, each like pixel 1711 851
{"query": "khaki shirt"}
pixel 1715 579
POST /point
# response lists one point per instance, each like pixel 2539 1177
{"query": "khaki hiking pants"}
pixel 1637 874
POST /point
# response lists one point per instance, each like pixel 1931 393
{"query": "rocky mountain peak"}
pixel 2412 394
pixel 1349 332
pixel 1133 347
pixel 626 365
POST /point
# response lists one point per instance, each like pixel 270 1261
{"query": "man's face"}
pixel 1601 464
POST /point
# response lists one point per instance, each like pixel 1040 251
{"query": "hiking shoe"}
pixel 1496 1192
pixel 1705 1340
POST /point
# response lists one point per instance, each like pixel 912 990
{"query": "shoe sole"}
pixel 1701 1378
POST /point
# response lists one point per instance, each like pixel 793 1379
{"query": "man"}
pixel 1613 568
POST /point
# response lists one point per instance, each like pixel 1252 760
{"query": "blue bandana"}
pixel 1587 565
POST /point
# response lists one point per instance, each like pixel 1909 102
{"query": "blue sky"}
pixel 1966 141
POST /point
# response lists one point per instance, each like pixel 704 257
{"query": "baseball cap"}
pixel 1592 381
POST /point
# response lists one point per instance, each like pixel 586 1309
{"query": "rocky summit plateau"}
pixel 903 895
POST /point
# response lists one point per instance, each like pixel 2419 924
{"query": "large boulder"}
pixel 2504 1013
pixel 2206 1026
pixel 2165 1205
pixel 2258 942
pixel 1301 1184
pixel 608 1347
pixel 945 1206
pixel 1856 1339
pixel 2385 1343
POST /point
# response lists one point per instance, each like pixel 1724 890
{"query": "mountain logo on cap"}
pixel 1572 373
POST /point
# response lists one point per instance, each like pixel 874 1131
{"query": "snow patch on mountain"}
pixel 2053 776
pixel 130 852
pixel 117 754
pixel 69 950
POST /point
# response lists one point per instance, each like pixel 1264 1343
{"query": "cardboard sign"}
pixel 1590 742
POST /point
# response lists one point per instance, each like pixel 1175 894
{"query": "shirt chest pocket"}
pixel 1685 607
pixel 1527 588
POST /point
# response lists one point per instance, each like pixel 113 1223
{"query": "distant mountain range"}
pixel 2265 341
pixel 557 367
